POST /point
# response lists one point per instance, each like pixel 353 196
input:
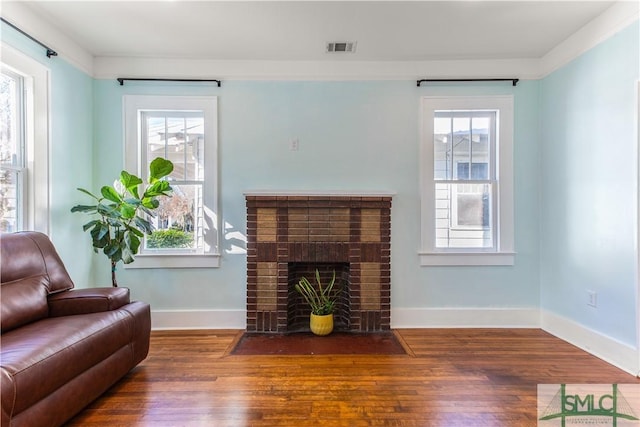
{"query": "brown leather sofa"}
pixel 60 348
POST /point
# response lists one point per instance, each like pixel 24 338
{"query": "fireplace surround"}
pixel 290 235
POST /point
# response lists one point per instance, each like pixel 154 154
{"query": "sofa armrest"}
pixel 83 301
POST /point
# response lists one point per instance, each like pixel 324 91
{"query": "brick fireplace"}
pixel 290 236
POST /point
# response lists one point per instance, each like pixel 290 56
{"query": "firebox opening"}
pixel 297 309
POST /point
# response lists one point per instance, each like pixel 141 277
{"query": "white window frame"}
pixel 503 252
pixel 133 105
pixel 36 189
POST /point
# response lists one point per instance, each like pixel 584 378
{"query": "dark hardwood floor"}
pixel 449 378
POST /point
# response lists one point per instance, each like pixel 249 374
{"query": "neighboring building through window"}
pixel 183 130
pixel 24 140
pixel 467 197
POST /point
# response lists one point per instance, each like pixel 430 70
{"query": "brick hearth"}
pixel 290 235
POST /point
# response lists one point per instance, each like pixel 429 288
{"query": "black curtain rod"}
pixel 50 52
pixel 122 79
pixel 513 81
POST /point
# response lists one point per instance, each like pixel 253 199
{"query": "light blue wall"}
pixel 70 151
pixel 588 173
pixel 353 136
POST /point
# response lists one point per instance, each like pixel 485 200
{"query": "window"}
pixel 467 181
pixel 183 130
pixel 24 194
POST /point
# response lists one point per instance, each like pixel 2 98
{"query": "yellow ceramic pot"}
pixel 321 325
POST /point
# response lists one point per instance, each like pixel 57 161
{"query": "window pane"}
pixel 480 147
pixel 442 148
pixel 461 147
pixel 179 220
pixel 176 147
pixel 10 138
pixel 463 215
pixel 155 135
pixel 10 188
pixel 194 149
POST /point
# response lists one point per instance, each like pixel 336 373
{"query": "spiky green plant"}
pixel 321 299
pixel 121 222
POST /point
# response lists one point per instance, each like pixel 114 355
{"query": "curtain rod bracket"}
pixel 121 80
pixel 50 52
pixel 513 81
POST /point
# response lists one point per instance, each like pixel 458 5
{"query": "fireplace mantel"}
pixel 320 193
pixel 324 227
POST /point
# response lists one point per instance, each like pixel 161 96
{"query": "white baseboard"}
pixel 606 348
pixel 400 318
pixel 465 318
pixel 198 319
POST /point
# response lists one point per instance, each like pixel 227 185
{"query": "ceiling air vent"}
pixel 341 47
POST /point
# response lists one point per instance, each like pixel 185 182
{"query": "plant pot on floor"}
pixel 321 324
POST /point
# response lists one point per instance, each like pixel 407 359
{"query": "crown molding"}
pixel 611 21
pixel 112 67
pixel 22 17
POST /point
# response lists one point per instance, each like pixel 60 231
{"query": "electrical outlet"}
pixel 592 298
pixel 294 144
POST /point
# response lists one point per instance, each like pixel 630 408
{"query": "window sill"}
pixel 175 261
pixel 466 258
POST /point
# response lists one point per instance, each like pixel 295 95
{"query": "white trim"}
pixel 339 193
pixel 503 254
pixel 461 259
pixel 198 319
pixel 37 100
pixel 132 105
pixel 174 261
pixel 526 317
pixel 22 17
pixel 113 67
pixel 611 21
pixel 606 348
pixel 637 231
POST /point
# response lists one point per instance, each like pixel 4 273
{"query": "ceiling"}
pixel 299 30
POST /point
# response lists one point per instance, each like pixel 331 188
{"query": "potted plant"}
pixel 121 222
pixel 322 300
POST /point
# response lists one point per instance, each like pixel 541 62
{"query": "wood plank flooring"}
pixel 451 377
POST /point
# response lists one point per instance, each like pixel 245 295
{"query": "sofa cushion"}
pixel 41 357
pixel 23 301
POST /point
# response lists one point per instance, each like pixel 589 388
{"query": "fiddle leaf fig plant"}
pixel 122 213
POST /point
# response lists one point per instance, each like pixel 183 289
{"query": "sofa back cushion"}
pixel 29 254
pixel 23 301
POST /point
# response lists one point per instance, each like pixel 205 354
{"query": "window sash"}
pixel 451 163
pixel 454 224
